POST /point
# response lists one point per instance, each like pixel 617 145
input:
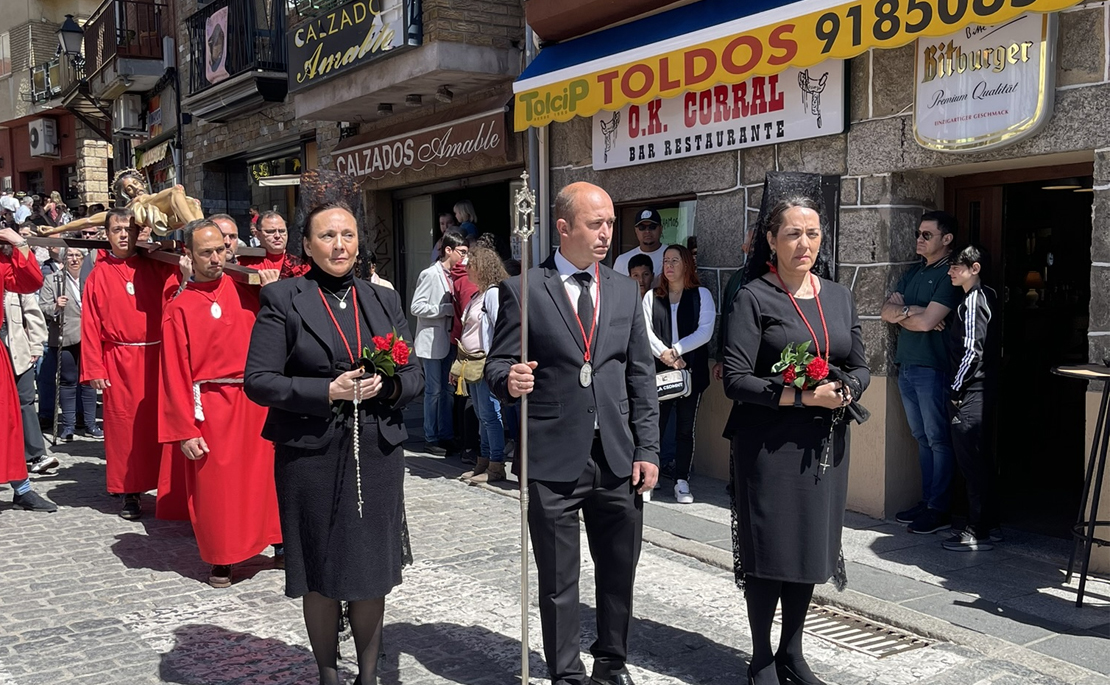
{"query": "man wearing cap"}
pixel 649 229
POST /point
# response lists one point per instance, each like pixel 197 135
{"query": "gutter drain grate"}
pixel 859 634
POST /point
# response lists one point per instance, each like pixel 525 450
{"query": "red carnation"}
pixel 817 369
pixel 788 376
pixel 389 339
pixel 401 353
pixel 381 343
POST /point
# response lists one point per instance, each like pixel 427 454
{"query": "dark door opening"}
pixel 1038 233
pixel 491 204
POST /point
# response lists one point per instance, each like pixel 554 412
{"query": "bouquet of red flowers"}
pixel 389 352
pixel 800 368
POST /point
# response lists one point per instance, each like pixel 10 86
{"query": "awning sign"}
pixel 801 34
pixel 986 86
pixel 793 105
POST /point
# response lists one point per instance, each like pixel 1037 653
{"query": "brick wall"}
pixel 494 23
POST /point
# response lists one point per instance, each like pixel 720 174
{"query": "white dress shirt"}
pixel 707 318
pixel 574 289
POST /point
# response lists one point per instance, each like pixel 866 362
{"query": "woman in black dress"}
pixel 790 446
pixel 342 510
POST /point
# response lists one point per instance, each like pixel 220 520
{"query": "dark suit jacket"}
pixel 292 359
pixel 561 413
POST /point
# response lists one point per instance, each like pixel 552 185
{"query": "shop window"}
pixel 33 183
pixel 5 54
pixel 678 224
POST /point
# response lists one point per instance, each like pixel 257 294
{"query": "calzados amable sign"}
pixel 986 86
pixel 793 105
pixel 348 36
pixel 800 34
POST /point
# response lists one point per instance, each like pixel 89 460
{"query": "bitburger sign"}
pixel 347 37
pixel 462 139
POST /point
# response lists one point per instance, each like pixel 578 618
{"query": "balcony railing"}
pixel 50 79
pixel 127 29
pixel 250 34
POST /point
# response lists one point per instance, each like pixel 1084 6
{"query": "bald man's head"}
pixel 584 219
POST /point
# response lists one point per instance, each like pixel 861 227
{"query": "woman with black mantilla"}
pixel 342 510
pixel 789 484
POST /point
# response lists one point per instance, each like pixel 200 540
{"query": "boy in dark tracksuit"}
pixel 974 367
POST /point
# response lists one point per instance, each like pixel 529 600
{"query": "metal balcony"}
pixel 124 46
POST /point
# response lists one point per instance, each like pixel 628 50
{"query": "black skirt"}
pixel 789 514
pixel 329 548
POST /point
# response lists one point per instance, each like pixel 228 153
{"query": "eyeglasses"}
pixel 925 235
pixel 648 227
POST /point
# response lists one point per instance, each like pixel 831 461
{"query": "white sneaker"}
pixel 682 492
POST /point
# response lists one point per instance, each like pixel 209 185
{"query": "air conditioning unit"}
pixel 44 137
pixel 127 116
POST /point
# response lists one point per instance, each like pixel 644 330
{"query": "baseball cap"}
pixel 648 214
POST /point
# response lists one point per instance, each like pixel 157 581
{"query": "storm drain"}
pixel 859 634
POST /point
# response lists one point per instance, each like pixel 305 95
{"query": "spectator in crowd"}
pixel 790 443
pixel 55 209
pixel 23 213
pixel 465 415
pixel 446 223
pixel 467 218
pixel 62 293
pixel 649 231
pixel 24 332
pixel 919 305
pixel 8 201
pixel 19 273
pixel 95 208
pixel 434 310
pixel 642 270
pixel 374 277
pixel 680 316
pixel 485 270
pixel 975 353
pixel 274 234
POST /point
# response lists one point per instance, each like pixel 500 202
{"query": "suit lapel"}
pixel 311 310
pixel 558 292
pixel 606 307
pixel 373 309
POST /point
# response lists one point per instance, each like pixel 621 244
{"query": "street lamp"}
pixel 70 37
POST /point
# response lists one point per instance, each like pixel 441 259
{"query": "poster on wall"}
pixel 215 41
pixel 793 105
pixel 985 86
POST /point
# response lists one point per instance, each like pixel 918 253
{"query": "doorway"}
pixel 1036 227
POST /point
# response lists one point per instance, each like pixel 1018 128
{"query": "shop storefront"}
pixel 415 170
pixel 158 156
pixel 989 110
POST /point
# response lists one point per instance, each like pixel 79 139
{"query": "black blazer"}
pixel 561 413
pixel 292 359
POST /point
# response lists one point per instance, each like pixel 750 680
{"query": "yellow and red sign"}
pixel 800 34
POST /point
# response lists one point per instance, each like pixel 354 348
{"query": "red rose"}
pixel 381 343
pixel 389 339
pixel 817 369
pixel 400 353
pixel 788 376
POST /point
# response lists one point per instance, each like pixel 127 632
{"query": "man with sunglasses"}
pixel 920 306
pixel 649 230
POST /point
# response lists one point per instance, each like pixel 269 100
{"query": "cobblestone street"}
pixel 90 598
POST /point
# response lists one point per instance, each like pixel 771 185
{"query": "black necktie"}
pixel 585 302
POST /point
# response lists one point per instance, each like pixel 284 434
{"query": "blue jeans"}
pixel 491 431
pixel 925 398
pixel 438 399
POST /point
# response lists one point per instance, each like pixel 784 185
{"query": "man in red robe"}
pixel 229 475
pixel 121 331
pixel 19 273
pixel 274 237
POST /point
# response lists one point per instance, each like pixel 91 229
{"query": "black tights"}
pixel 321 617
pixel 762 596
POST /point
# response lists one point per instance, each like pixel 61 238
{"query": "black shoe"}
pixel 220 577
pixel 798 674
pixel 469 457
pixel 132 508
pixel 911 514
pixel 279 557
pixel 435 449
pixel 965 541
pixel 620 678
pixel 767 676
pixel 996 534
pixel 930 522
pixel 33 501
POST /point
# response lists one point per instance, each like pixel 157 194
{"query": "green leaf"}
pixel 803 347
pixel 800 382
pixel 780 367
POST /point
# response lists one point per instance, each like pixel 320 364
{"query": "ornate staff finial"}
pixel 525 203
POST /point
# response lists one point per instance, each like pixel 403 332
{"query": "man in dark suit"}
pixel 593 429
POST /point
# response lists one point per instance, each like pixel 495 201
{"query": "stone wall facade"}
pixel 887 181
pixel 93 154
